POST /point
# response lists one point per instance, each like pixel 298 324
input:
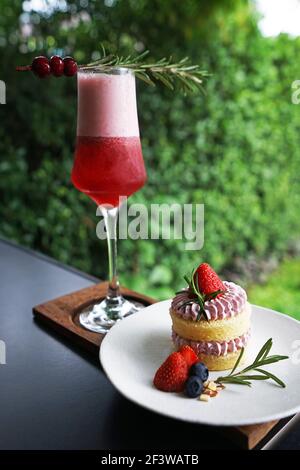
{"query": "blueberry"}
pixel 193 387
pixel 200 370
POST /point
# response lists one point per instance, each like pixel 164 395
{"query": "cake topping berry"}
pixel 208 280
pixel 172 374
pixel 193 387
pixel 40 67
pixel 189 355
pixel 200 370
pixel 57 66
pixel 203 285
pixel 70 66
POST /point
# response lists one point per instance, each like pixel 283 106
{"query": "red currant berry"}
pixel 70 66
pixel 40 66
pixel 57 66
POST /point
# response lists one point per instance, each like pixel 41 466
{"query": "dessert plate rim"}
pixel 122 331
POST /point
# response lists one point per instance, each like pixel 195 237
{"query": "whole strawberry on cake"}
pixel 212 317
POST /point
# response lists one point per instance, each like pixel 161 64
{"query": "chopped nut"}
pixel 204 397
pixel 205 384
pixel 210 393
pixel 212 386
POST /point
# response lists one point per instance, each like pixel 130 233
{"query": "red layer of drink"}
pixel 106 168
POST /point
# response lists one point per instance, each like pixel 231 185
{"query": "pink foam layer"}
pixel 214 348
pixel 107 105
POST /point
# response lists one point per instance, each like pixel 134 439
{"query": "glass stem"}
pixel 111 219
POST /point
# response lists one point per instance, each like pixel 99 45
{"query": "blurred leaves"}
pixel 236 151
pixel 282 289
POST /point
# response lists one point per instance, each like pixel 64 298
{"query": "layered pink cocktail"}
pixel 108 165
pixel 108 157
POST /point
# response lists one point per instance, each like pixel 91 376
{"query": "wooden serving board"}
pixel 62 314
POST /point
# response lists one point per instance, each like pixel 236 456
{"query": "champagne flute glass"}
pixel 108 165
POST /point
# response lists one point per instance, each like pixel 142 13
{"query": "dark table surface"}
pixel 54 396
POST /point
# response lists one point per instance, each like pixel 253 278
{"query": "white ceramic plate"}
pixel 135 347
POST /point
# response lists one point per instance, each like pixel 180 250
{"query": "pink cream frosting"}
pixel 214 348
pixel 229 304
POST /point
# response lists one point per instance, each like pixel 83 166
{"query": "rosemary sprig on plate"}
pixel 188 77
pixel 197 296
pixel 244 378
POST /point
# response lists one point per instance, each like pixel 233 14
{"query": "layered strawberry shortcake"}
pixel 213 317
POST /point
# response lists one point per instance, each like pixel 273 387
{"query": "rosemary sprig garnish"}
pixel 197 296
pixel 243 378
pixel 188 77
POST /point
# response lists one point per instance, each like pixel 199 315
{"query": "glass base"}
pixel 101 317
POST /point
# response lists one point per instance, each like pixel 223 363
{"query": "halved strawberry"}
pixel 172 374
pixel 189 355
pixel 208 280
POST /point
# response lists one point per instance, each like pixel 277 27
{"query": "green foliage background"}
pixel 236 149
